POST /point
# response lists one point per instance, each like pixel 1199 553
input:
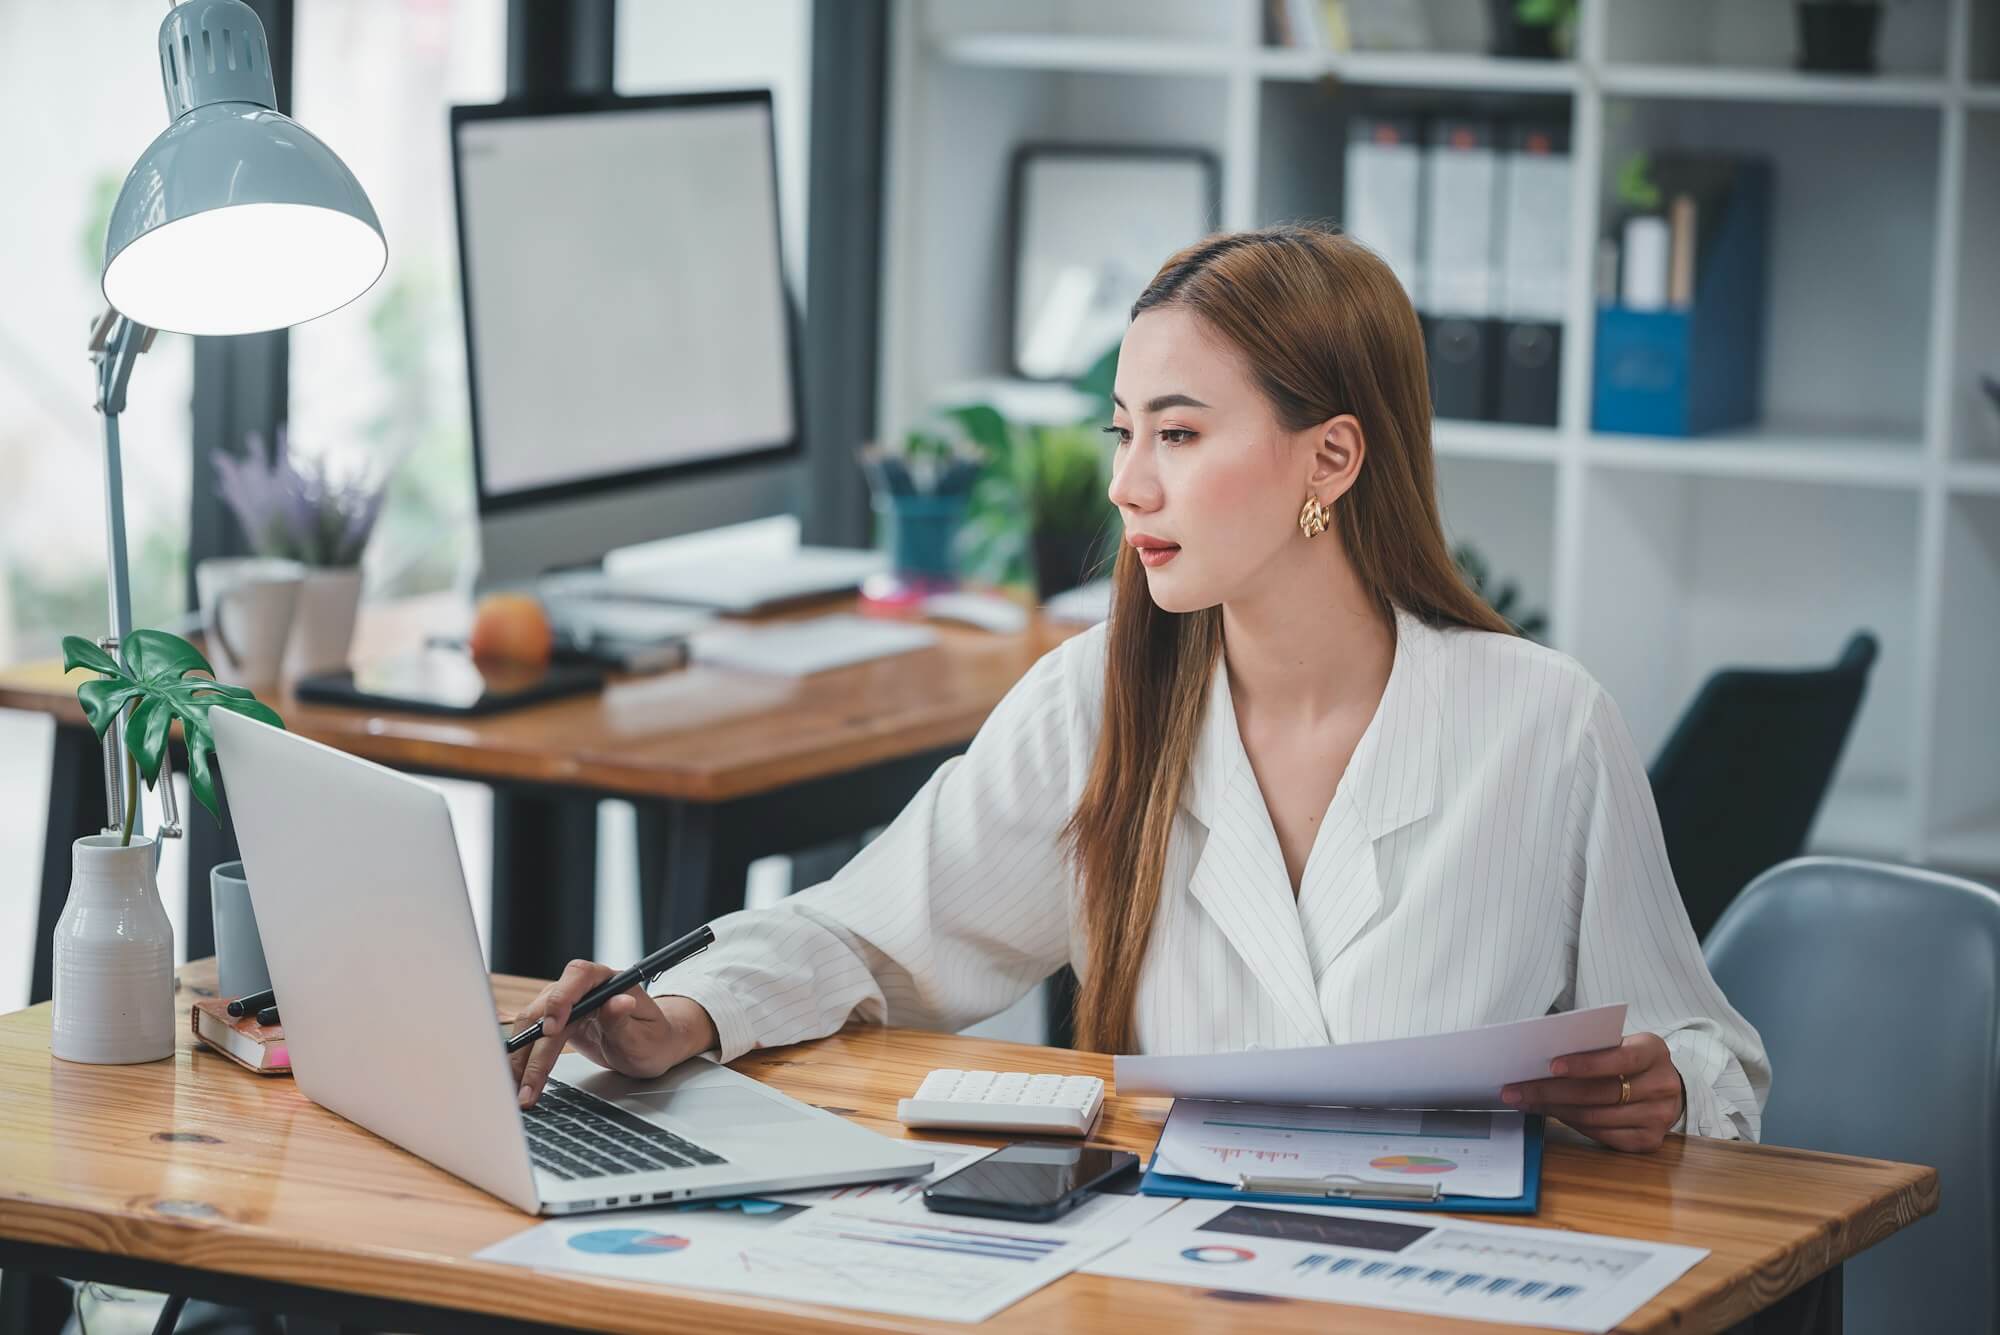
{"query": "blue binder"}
pixel 1530 1199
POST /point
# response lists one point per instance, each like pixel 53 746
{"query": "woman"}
pixel 1303 787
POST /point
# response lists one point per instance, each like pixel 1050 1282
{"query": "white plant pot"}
pixel 114 957
pixel 323 624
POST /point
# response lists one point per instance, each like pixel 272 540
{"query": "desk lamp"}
pixel 234 221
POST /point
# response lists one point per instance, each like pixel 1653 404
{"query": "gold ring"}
pixel 1624 1091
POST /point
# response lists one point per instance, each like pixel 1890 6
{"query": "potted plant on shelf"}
pixel 1534 29
pixel 318 515
pixel 114 948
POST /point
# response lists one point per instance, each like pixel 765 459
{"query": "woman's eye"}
pixel 1172 435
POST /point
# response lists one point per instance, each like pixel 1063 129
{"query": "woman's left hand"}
pixel 1626 1097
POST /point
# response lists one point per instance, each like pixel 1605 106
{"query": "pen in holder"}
pixel 920 494
pixel 1339 1185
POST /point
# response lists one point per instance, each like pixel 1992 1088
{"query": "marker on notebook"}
pixel 253 1003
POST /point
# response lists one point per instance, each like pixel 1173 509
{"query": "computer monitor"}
pixel 631 350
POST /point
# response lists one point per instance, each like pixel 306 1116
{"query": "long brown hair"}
pixel 1327 330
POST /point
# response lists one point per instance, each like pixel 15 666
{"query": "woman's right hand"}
pixel 634 1034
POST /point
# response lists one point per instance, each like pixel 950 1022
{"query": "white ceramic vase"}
pixel 114 957
pixel 323 622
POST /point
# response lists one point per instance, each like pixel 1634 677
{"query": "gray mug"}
pixel 239 952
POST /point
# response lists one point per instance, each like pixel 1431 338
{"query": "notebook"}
pixel 259 1047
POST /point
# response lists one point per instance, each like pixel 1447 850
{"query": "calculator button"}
pixel 940 1084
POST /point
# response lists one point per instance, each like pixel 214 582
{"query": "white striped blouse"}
pixel 1492 853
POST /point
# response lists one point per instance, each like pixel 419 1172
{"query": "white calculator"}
pixel 1060 1105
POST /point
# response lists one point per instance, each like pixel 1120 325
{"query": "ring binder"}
pixel 1347 1185
pixel 1433 1194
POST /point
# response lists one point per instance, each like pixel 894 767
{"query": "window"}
pixel 382 383
pixel 52 231
pixel 691 46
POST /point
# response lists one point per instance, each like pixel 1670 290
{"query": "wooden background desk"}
pixel 193 1176
pixel 723 767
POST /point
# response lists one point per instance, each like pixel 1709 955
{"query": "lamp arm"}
pixel 115 346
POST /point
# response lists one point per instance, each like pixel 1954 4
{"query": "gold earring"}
pixel 1314 517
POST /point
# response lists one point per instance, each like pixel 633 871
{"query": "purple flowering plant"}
pixel 308 510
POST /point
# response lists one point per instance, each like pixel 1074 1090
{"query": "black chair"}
pixel 1741 778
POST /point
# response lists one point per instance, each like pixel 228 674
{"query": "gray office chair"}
pixel 1877 991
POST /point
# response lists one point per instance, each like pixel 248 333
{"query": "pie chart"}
pixel 627 1242
pixel 1412 1163
pixel 1219 1255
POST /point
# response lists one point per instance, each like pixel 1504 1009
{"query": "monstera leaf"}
pixel 154 680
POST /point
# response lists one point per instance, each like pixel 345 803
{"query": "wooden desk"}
pixel 724 768
pixel 195 1177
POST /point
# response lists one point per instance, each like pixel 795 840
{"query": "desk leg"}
pixel 33 1304
pixel 1814 1308
pixel 694 857
pixel 76 809
pixel 694 863
pixel 544 880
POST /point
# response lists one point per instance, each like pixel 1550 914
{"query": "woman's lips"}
pixel 1155 557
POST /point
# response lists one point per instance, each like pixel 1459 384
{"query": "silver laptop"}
pixel 389 1014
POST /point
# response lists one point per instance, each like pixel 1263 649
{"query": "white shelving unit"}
pixel 1868 495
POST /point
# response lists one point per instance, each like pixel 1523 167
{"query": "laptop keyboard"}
pixel 576 1135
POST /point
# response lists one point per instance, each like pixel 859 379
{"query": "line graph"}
pixel 1231 1153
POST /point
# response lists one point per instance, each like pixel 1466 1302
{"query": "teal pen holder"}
pixel 919 532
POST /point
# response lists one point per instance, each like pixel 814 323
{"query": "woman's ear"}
pixel 1337 455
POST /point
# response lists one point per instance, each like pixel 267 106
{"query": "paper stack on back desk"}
pixel 1465 1069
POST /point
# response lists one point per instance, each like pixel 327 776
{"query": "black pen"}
pixel 251 1004
pixel 268 1015
pixel 647 969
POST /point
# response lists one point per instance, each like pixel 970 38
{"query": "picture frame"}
pixel 1091 224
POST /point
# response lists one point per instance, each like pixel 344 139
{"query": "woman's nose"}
pixel 1133 485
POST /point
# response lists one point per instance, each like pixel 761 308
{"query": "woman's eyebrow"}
pixel 1166 401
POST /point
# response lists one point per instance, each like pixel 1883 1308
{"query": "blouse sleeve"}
pixel 1635 944
pixel 950 915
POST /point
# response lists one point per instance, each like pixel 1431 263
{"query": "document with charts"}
pixel 1465 1153
pixel 876 1247
pixel 1441 1266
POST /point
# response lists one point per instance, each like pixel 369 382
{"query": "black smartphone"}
pixel 1032 1181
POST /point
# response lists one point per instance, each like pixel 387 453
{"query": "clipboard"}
pixel 1530 1199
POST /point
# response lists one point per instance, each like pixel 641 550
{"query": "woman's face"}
pixel 1208 482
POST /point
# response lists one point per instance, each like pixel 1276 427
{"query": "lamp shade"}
pixel 234 220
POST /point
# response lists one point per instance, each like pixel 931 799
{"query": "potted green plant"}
pixel 114 948
pixel 313 512
pixel 1039 514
